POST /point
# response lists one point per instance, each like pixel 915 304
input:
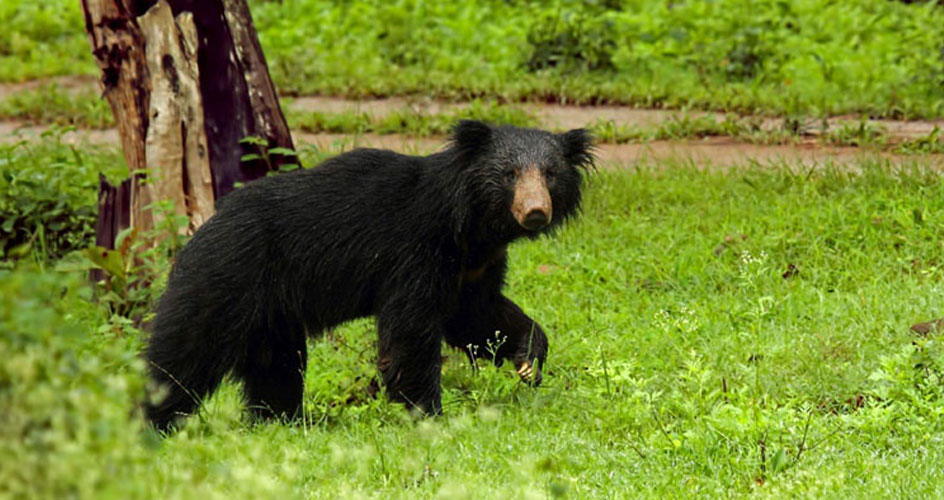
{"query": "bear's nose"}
pixel 536 219
pixel 532 203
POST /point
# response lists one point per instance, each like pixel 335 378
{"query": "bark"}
pixel 176 139
pixel 186 81
pixel 117 44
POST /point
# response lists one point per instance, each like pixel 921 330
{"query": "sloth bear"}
pixel 418 242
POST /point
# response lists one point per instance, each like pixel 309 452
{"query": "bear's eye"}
pixel 509 175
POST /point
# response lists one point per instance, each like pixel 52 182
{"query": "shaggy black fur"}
pixel 418 242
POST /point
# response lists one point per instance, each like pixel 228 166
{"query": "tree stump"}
pixel 186 81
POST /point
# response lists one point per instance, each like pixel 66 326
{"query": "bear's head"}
pixel 521 181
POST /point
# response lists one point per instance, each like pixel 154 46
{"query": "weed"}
pixel 48 197
pixel 570 41
pixel 856 134
pixel 933 142
pixel 275 159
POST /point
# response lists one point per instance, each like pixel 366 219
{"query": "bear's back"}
pixel 345 228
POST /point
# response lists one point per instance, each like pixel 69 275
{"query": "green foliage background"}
pixel 813 57
pixel 48 196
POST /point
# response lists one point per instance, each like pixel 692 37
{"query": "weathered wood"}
pixel 118 47
pixel 176 140
pixel 113 212
pixel 238 95
pixel 262 95
pixel 186 81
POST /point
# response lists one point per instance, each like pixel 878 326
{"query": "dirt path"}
pixel 717 151
pixel 69 84
pixel 553 116
pixel 712 152
pixel 563 117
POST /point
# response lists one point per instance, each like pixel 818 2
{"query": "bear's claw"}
pixel 527 373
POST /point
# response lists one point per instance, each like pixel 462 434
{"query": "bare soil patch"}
pixel 709 152
pixel 717 151
pixel 553 116
pixel 76 84
pixel 563 116
pixel 11 131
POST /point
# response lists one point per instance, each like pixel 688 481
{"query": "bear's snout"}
pixel 532 203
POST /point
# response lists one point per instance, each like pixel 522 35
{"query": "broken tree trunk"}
pixel 186 81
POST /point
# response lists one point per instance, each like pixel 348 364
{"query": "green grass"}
pixel 405 121
pixel 51 105
pixel 933 142
pixel 48 196
pixel 861 134
pixel 798 57
pixel 713 334
pixel 42 39
pixel 684 127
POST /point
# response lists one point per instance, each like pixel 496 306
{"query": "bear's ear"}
pixel 470 137
pixel 578 148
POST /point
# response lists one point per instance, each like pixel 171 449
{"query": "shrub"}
pixel 48 199
pixel 67 429
pixel 571 42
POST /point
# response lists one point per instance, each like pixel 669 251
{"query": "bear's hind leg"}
pixel 274 373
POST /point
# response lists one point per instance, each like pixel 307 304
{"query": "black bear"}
pixel 417 242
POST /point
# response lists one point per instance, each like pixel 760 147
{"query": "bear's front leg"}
pixel 410 360
pixel 486 321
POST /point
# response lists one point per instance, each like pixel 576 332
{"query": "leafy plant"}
pixel 571 41
pixel 42 39
pixel 48 197
pixel 933 142
pixel 132 271
pixel 912 376
pixel 69 426
pixel 274 159
pixel 860 133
